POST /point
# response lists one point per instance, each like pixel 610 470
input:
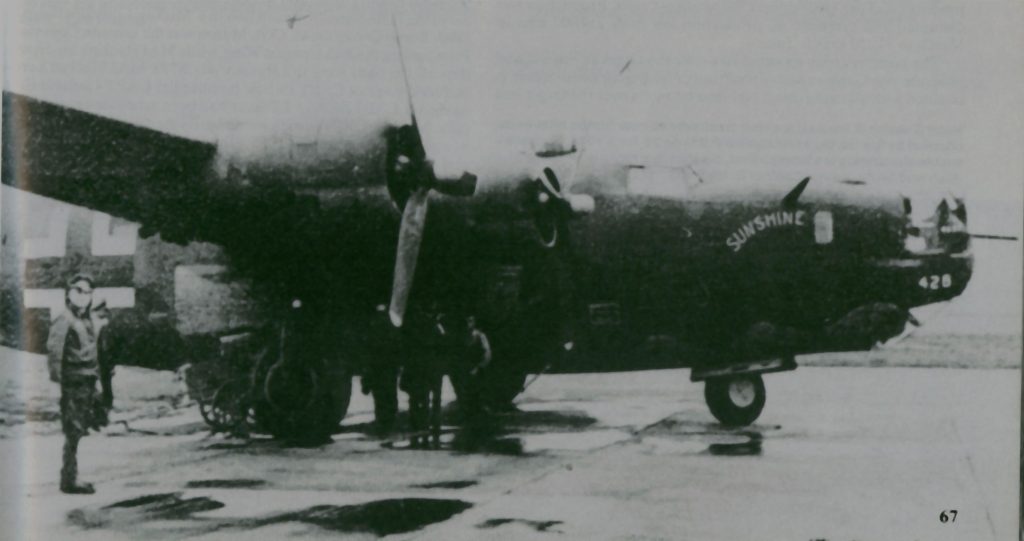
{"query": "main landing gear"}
pixel 253 387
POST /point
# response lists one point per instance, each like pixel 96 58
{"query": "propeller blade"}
pixel 405 74
pixel 464 186
pixel 410 237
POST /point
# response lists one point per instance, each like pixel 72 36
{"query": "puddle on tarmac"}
pixel 222 445
pixel 558 419
pixel 381 517
pixel 152 507
pixel 538 525
pixel 225 483
pixel 750 447
pixel 447 484
pixel 533 420
pixel 490 437
pixel 501 433
pixel 532 414
pixel 676 425
pixel 485 442
pixel 673 437
pixel 168 506
pixel 495 436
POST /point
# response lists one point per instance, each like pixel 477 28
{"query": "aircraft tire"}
pixel 309 419
pixel 501 387
pixel 493 389
pixel 735 400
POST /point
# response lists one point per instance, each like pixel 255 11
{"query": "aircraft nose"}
pixel 944 230
pixel 937 262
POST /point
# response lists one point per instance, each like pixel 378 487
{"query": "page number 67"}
pixel 947 516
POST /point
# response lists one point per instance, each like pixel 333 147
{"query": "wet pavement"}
pixel 838 454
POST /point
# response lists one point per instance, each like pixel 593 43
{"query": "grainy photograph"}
pixel 511 270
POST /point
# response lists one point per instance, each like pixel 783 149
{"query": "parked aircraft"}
pixel 627 268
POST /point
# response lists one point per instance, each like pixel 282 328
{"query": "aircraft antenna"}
pixel 405 74
pixel 696 174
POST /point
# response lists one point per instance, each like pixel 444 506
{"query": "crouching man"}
pixel 73 361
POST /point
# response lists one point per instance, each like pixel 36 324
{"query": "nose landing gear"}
pixel 735 392
pixel 735 400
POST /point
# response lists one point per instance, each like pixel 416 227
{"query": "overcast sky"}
pixel 910 93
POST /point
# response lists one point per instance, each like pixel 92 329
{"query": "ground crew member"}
pixel 423 373
pixel 73 362
pixel 471 364
pixel 381 374
pixel 101 318
pixel 478 347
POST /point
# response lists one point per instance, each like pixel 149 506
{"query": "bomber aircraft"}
pixel 563 272
pixel 348 249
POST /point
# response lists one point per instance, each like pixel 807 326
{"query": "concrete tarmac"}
pixel 839 454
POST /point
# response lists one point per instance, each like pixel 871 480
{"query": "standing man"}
pixel 470 371
pixel 73 362
pixel 423 376
pixel 100 321
pixel 381 374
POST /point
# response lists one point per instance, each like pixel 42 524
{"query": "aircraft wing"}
pixel 169 185
pixel 130 171
pixel 165 182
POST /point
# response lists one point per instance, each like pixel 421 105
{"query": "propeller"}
pixel 410 180
pixel 411 177
pixel 410 238
pixel 554 207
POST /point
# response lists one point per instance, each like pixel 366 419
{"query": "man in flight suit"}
pixel 74 363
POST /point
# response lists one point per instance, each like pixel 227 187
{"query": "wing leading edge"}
pixel 130 171
pixel 273 233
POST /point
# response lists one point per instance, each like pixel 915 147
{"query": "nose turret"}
pixel 937 263
pixel 942 232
